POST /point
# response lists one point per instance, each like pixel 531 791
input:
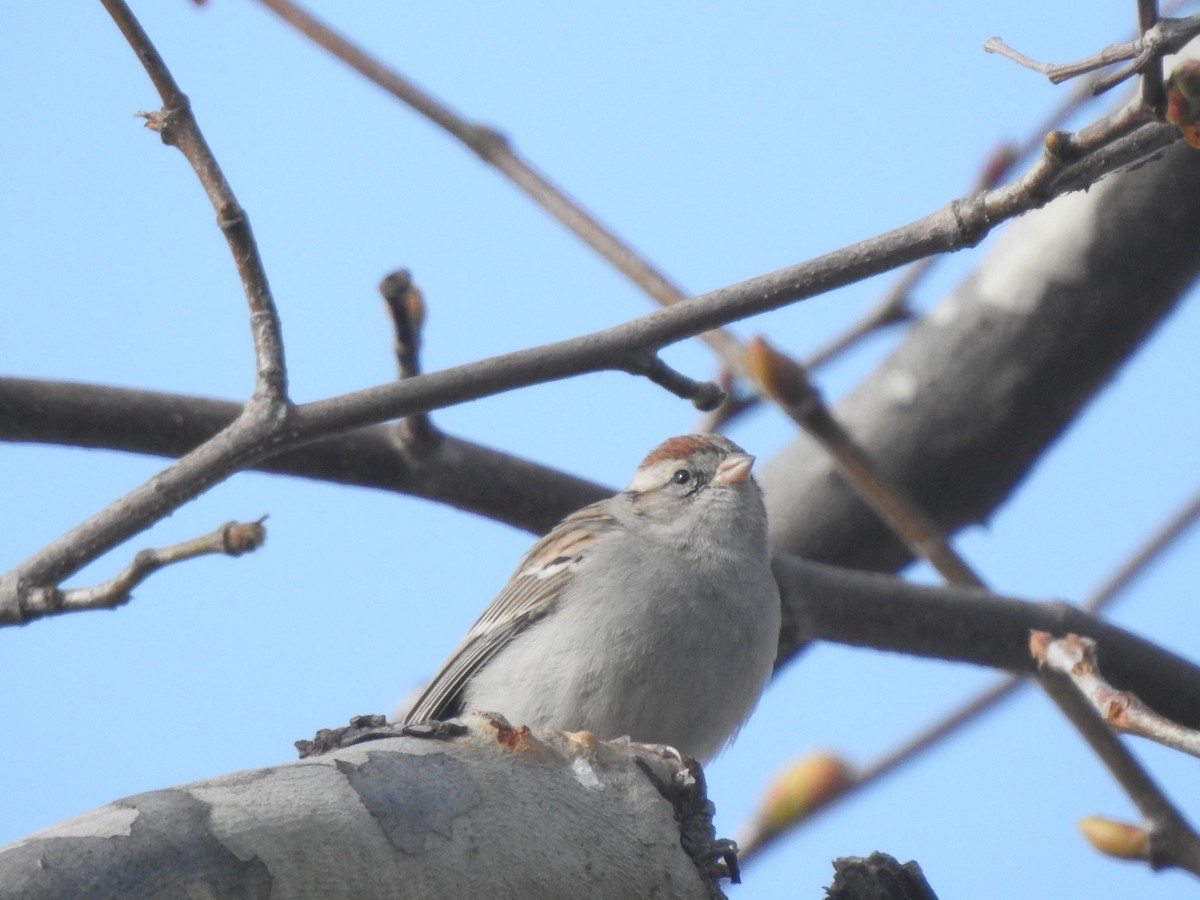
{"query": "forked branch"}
pixel 1158 39
pixel 231 539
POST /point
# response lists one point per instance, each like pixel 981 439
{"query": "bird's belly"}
pixel 691 691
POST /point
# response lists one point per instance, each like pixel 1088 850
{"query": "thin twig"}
pixel 1076 658
pixel 902 514
pixel 623 347
pixel 915 527
pixel 406 307
pixel 891 309
pixel 231 539
pixel 177 127
pixel 705 395
pixel 894 306
pixel 1157 38
pixel 1060 72
pixel 246 439
pixel 789 386
pixel 959 224
pixel 1173 841
pixel 1147 554
pixel 1152 72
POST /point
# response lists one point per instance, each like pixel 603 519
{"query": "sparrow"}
pixel 651 615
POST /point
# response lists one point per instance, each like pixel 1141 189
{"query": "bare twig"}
pixel 894 306
pixel 231 539
pixel 622 347
pixel 1145 555
pixel 789 386
pixel 1075 657
pixel 1059 73
pixel 178 128
pixel 490 146
pixel 247 438
pixel 705 395
pixel 1152 72
pixel 1173 841
pixel 892 309
pixel 630 347
pixel 493 148
pixel 406 306
pixel 1158 37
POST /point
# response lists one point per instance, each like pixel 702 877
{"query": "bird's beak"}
pixel 734 469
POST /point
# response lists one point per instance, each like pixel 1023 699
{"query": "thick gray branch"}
pixel 867 609
pixel 979 389
pixel 493 812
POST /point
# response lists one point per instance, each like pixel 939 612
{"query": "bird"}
pixel 651 615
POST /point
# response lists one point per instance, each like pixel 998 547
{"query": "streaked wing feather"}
pixel 526 598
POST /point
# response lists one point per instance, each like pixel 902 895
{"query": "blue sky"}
pixel 722 144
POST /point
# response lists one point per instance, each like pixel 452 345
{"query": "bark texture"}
pixel 493 812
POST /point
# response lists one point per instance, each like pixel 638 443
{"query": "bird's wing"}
pixel 529 595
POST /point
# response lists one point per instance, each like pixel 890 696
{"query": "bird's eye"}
pixel 681 476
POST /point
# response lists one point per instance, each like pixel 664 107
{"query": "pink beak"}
pixel 734 469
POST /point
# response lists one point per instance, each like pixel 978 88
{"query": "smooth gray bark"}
pixel 494 812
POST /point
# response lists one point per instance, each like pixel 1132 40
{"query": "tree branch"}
pixel 459 473
pixel 973 395
pixel 231 539
pixel 865 609
pixel 247 437
pixel 406 308
pixel 767 829
pixel 1158 37
pixel 913 619
pixel 1071 161
pixel 178 128
pixel 431 813
pixel 899 511
pixel 1110 147
pixel 1075 658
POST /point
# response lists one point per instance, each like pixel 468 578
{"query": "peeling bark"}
pixel 402 816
